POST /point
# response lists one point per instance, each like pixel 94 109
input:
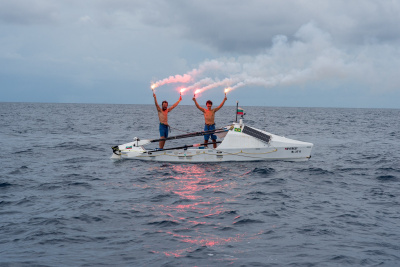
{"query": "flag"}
pixel 240 111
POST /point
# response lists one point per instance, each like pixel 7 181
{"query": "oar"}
pixel 181 147
pixel 189 135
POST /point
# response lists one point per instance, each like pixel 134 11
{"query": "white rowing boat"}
pixel 240 143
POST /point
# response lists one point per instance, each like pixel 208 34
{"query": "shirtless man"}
pixel 163 116
pixel 209 115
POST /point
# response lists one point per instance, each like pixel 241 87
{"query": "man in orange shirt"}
pixel 163 117
pixel 209 115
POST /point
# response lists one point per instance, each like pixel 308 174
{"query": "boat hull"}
pixel 236 146
pixel 217 155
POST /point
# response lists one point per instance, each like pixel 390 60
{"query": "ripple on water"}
pixel 160 197
pixel 316 171
pixel 247 222
pixel 20 170
pixel 164 223
pixel 263 171
pixel 5 185
pixel 387 178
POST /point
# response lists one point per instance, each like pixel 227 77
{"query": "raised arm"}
pixel 198 106
pixel 155 101
pixel 220 106
pixel 174 105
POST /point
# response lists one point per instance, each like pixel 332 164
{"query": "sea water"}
pixel 64 202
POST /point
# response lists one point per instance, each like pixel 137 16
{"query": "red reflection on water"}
pixel 189 183
pixel 196 184
pixel 176 254
pixel 191 180
pixel 212 241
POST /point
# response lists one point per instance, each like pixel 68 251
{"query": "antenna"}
pixel 237 106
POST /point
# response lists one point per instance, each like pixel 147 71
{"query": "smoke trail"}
pixel 224 83
pixel 310 56
pixel 198 84
pixel 214 66
pixel 173 79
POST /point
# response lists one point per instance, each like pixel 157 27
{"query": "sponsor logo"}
pixel 293 149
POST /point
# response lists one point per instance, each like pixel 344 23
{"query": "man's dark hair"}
pixel 164 102
pixel 209 101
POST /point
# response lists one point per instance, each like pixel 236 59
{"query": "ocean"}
pixel 64 202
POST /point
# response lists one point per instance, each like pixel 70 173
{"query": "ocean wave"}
pixel 5 185
pixel 164 223
pixel 317 171
pixel 247 221
pixel 387 178
pixel 263 171
pixel 160 197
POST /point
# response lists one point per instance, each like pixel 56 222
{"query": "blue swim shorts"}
pixel 209 128
pixel 163 130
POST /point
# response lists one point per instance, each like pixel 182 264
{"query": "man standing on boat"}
pixel 163 116
pixel 209 115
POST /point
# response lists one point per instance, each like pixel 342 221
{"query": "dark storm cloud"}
pixel 243 26
pixel 226 25
pixel 28 12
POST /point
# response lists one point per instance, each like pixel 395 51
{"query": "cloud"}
pixel 225 25
pixel 308 56
pixel 249 27
pixel 28 12
pixel 85 19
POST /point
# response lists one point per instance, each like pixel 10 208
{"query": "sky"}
pixel 292 53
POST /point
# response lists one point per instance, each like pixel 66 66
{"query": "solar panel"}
pixel 256 134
